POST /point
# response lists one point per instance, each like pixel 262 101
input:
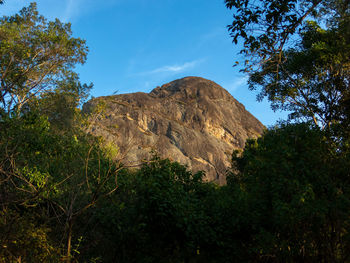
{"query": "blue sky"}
pixel 136 45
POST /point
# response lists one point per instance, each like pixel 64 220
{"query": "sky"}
pixel 137 45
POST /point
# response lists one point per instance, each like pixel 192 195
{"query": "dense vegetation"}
pixel 64 198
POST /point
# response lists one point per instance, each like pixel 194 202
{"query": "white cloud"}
pixel 241 81
pixel 68 12
pixel 177 68
pixel 236 83
pixel 76 8
pixel 73 9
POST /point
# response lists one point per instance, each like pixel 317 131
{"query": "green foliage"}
pixel 158 211
pixel 36 57
pixel 298 55
pixel 61 104
pixel 51 171
pixel 24 239
pixel 313 81
pixel 267 26
pixel 296 183
pixel 60 174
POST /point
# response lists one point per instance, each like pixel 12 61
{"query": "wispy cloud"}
pixel 213 34
pixel 76 8
pixel 176 68
pixel 236 83
pixel 72 10
pixel 240 81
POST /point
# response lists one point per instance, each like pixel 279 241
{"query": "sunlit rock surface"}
pixel 192 120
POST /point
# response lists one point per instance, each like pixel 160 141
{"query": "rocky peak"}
pixel 191 88
pixel 192 120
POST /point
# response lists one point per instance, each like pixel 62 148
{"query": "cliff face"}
pixel 192 120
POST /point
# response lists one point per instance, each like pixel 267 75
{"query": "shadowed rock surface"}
pixel 192 120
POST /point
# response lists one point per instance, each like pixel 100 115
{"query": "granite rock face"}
pixel 192 120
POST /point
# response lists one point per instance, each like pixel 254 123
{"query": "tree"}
pixel 51 170
pixel 296 184
pixel 313 80
pixel 299 55
pixel 158 214
pixel 36 56
pixel 62 104
pixel 54 177
pixel 268 26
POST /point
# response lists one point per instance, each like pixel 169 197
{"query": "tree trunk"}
pixel 69 241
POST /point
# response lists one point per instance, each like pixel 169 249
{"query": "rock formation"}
pixel 192 120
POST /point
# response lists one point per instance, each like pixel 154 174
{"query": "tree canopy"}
pixel 37 56
pixel 297 54
pixel 295 182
